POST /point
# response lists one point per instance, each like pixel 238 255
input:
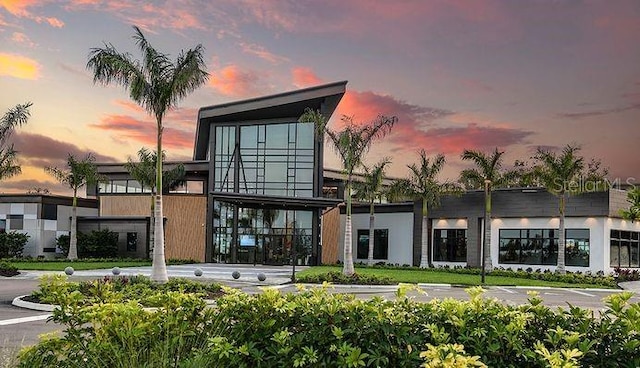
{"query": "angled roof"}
pixel 283 105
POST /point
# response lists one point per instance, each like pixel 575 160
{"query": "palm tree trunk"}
pixel 371 233
pixel 488 262
pixel 159 268
pixel 561 237
pixel 424 253
pixel 348 249
pixel 73 238
pixel 152 227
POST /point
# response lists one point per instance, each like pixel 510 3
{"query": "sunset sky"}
pixel 458 74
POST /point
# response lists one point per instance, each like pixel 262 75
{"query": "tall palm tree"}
pixel 487 174
pixel 562 174
pixel 14 117
pixel 350 143
pixel 633 213
pixel 144 171
pixel 78 173
pixel 157 84
pixel 370 190
pixel 423 185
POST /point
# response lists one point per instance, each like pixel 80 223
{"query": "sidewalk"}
pixel 275 275
pixel 631 286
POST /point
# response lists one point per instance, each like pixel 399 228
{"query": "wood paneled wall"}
pixel 330 235
pixel 185 231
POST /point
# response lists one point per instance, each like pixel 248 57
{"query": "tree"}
pixel 633 213
pixel 157 84
pixel 144 171
pixel 350 143
pixel 562 175
pixel 423 185
pixel 487 174
pixel 78 174
pixel 14 117
pixel 370 190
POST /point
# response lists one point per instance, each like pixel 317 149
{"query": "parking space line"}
pixel 15 321
pixel 581 292
pixel 507 290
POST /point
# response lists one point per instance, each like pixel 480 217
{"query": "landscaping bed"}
pixel 36 264
pixel 318 329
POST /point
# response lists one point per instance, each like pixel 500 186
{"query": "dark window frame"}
pixel 628 239
pixel 380 244
pixel 454 242
pixel 511 249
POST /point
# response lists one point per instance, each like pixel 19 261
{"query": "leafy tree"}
pixel 350 143
pixel 633 213
pixel 78 174
pixel 157 84
pixel 563 174
pixel 423 185
pixel 144 171
pixel 14 117
pixel 370 190
pixel 487 174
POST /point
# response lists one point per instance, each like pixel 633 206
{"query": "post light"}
pixel 484 230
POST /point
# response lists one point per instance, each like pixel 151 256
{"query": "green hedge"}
pixel 318 329
pixel 96 244
pixel 12 244
pixel 8 270
pixel 336 277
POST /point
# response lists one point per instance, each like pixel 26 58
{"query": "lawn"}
pixel 443 277
pixel 83 265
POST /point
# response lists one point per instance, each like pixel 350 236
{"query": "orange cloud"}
pixel 19 66
pixel 305 77
pixel 20 8
pixel 232 81
pixel 125 127
pixel 23 39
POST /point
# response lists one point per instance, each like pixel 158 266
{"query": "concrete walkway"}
pixel 631 286
pixel 275 275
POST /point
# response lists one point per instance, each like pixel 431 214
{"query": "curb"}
pixel 18 302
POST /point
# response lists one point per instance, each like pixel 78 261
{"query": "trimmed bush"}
pixel 336 277
pixel 8 270
pixel 12 244
pixel 318 329
pixel 96 244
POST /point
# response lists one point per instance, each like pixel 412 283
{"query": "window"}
pixel 3 226
pixel 16 222
pixel 624 249
pixel 49 212
pixel 189 186
pixel 540 246
pixel 450 245
pixel 380 244
pixel 132 242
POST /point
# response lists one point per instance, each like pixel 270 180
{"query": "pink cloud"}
pixel 305 77
pixel 233 81
pixel 22 39
pixel 261 52
pixel 144 131
pixel 20 9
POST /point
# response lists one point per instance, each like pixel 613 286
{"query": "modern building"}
pixel 524 231
pixel 254 190
pixel 42 217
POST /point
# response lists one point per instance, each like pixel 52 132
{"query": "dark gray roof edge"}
pixel 274 96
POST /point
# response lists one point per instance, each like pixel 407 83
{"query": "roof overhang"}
pixel 279 202
pixel 268 108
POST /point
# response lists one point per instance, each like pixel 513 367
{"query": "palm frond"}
pixel 8 165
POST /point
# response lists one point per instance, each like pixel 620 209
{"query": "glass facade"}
pixel 540 246
pixel 450 245
pixel 624 249
pixel 266 159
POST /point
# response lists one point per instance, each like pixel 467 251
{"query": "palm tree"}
pixel 633 213
pixel 14 117
pixel 78 173
pixel 487 174
pixel 144 171
pixel 559 173
pixel 370 190
pixel 157 84
pixel 351 143
pixel 423 185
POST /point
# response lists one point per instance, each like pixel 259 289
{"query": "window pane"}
pixel 510 233
pixel 16 222
pixel 363 244
pixel 381 244
pixel 614 253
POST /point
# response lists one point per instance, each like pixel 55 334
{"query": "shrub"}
pixel 12 244
pixel 7 269
pixel 96 244
pixel 625 274
pixel 319 329
pixel 336 277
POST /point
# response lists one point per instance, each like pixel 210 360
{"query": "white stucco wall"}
pixel 447 224
pixel 400 226
pixel 598 243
